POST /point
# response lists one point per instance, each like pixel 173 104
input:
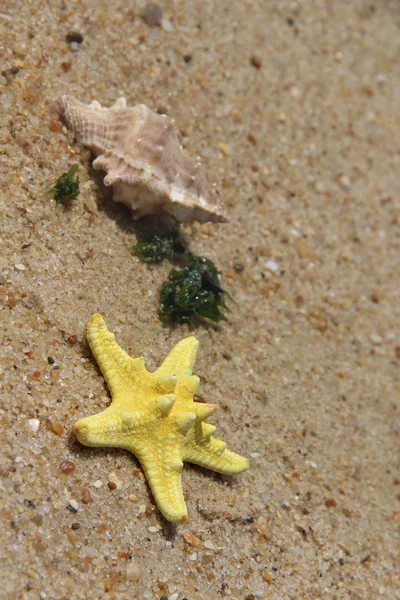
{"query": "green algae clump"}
pixel 66 187
pixel 194 291
pixel 159 247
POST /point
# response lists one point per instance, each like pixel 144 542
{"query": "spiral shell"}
pixel 144 161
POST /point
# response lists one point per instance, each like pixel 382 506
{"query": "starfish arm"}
pixel 203 450
pixel 116 365
pixel 180 359
pixel 111 427
pixel 163 472
pixel 210 457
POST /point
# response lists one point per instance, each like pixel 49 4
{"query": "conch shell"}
pixel 145 163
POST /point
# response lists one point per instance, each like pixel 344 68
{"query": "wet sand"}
pixel 293 108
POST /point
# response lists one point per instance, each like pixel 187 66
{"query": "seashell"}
pixel 145 163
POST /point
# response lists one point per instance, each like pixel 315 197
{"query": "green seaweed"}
pixel 159 247
pixel 66 186
pixel 193 291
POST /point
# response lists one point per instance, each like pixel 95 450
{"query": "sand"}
pixel 293 107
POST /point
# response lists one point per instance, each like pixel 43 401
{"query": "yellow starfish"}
pixel 154 416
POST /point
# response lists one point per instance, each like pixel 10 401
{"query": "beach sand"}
pixel 294 110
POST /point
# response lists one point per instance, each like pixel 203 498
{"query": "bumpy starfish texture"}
pixel 155 417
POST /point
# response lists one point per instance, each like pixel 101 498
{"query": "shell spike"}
pixel 184 421
pixel 167 382
pixel 177 465
pixel 208 430
pixel 203 411
pixel 113 176
pixel 191 383
pixel 119 103
pixel 165 403
pixel 127 418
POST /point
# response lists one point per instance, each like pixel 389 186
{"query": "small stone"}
pixel 50 360
pixel 67 467
pixel 20 267
pixel 112 486
pixel 32 573
pixel 133 497
pixel 295 92
pixel 134 571
pixel 167 25
pixel 98 483
pixel 86 497
pixel 330 503
pixel 224 148
pixel 112 478
pixel 142 509
pixel 209 545
pixel 34 425
pixel 152 14
pixel 271 265
pixel 238 267
pixel 74 36
pixel 193 556
pixel 255 61
pixel 66 66
pixel 345 181
pixel 252 137
pixel 72 339
pixel 73 506
pixel 191 539
pixel 248 519
pixel 75 526
pixel 264 529
pixel 302 247
pixel 54 126
pixel 57 428
pixel 20 50
pixel 365 559
pixel 267 577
